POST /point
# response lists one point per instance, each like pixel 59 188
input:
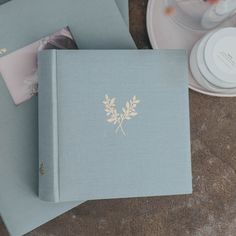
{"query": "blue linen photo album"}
pixel 113 124
pixel 23 22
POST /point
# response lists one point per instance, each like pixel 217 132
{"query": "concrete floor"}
pixel 210 211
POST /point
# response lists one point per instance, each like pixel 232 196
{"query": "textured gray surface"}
pixel 210 211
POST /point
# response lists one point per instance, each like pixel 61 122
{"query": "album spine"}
pixel 48 127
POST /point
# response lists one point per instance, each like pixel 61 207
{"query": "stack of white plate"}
pixel 213 61
pixel 179 31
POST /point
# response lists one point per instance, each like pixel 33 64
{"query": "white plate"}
pixel 226 38
pixel 165 33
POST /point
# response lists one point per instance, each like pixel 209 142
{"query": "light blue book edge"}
pixel 20 207
pixel 123 6
pixel 81 154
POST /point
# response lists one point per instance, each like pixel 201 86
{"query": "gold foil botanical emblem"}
pixel 2 51
pixel 118 119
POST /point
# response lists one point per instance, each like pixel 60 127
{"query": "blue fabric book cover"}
pixel 22 23
pixel 113 124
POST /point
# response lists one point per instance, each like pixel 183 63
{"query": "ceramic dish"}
pixel 164 32
pixel 204 62
pixel 200 78
pixel 220 54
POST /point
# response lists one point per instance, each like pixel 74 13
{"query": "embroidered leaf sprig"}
pixel 129 112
